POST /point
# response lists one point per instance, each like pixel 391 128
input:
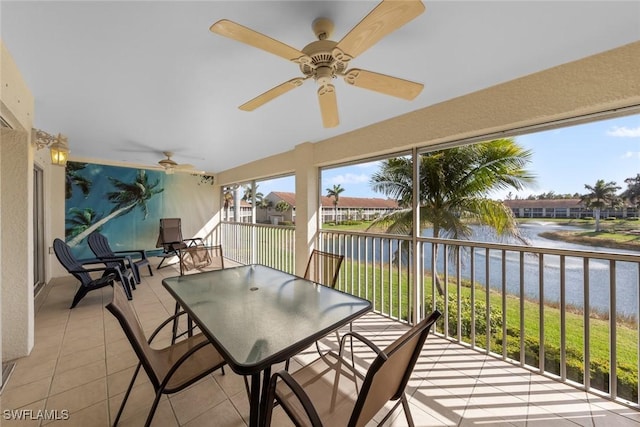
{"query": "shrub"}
pixel 610 218
pixel 465 316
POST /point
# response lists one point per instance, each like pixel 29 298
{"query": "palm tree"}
pixel 264 204
pixel 632 193
pixel 80 220
pixel 130 196
pixel 455 185
pixel 599 196
pixel 335 193
pixel 72 177
pixel 227 196
pixel 248 194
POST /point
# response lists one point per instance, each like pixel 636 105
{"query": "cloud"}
pixel 367 165
pixel 349 178
pixel 631 155
pixel 624 132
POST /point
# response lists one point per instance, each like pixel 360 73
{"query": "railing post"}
pixel 417 311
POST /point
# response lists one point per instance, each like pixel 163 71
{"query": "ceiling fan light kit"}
pixel 324 59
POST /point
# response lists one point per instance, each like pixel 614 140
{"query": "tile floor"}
pixel 82 363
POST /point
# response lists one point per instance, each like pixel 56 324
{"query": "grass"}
pixel 391 292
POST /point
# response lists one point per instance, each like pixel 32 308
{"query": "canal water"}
pixel 626 273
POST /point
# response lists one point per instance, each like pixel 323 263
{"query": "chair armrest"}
pixel 91 270
pixel 298 391
pixel 361 338
pixel 163 324
pixel 193 242
pixel 120 260
pixel 141 253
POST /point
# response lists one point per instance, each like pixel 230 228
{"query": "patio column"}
pixel 306 205
pixel 17 244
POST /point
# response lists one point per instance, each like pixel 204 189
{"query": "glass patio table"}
pixel 257 316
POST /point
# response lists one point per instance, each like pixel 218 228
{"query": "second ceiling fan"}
pixel 324 59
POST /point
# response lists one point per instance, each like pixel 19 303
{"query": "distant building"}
pixel 348 208
pixel 563 208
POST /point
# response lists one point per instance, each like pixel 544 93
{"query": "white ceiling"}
pixel 127 80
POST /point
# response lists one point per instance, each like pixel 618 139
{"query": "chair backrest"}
pixel 323 268
pixel 70 262
pixel 120 307
pixel 217 258
pixel 389 373
pixel 100 245
pixel 170 233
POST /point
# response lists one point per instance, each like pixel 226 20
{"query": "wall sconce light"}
pixel 58 145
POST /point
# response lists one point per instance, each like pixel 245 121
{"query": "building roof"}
pixel 343 202
pixel 550 203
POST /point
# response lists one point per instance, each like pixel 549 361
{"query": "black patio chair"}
pixel 99 245
pixel 88 283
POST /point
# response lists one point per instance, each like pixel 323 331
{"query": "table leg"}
pixel 254 403
pixel 258 400
pixel 266 376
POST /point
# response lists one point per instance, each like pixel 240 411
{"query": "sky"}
pixel 563 161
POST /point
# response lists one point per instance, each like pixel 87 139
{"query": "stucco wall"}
pixel 17 235
pixel 16 195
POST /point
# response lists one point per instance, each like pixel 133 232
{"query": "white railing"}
pixel 270 245
pixel 496 298
pixel 562 298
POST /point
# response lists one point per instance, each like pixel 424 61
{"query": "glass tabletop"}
pixel 257 316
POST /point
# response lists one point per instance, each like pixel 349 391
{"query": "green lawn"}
pixel 391 292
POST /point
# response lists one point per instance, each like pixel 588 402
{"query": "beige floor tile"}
pixel 224 414
pixel 25 416
pixel 95 416
pixel 118 382
pixel 77 377
pixel 81 358
pixel 196 399
pixel 24 372
pixel 78 398
pixel 163 417
pixel 19 396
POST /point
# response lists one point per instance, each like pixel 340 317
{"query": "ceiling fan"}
pixel 170 166
pixel 324 59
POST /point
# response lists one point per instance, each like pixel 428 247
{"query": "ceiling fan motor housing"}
pixel 323 65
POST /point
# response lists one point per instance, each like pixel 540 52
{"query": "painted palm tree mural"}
pixel 126 204
pixel 79 221
pixel 129 195
pixel 75 179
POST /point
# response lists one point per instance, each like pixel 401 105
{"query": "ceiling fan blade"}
pixel 328 105
pixel 385 18
pixel 382 83
pixel 246 35
pixel 271 94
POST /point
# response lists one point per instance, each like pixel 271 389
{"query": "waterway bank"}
pixel 582 238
